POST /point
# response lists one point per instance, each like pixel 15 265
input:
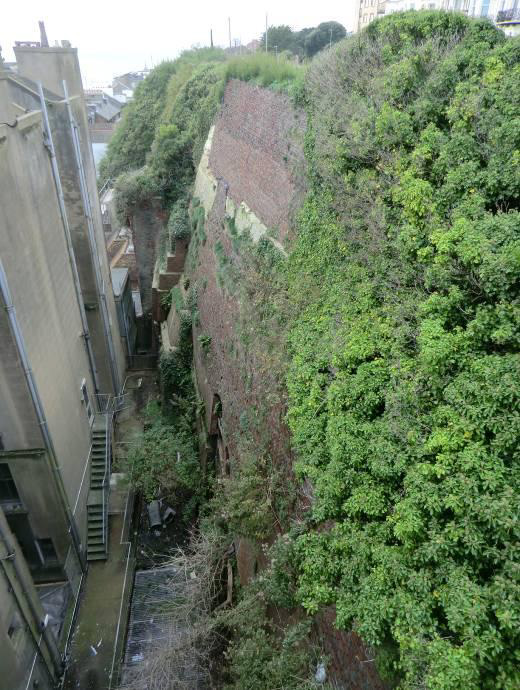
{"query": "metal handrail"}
pixel 108 426
pixel 105 187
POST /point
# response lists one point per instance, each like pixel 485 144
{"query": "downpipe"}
pixel 92 240
pixel 38 407
pixel 41 625
pixel 70 248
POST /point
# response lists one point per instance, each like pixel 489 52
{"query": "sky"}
pixel 113 38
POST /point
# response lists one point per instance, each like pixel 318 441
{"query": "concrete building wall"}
pixel 368 10
pixel 48 473
pixel 52 66
pixel 24 657
pixel 35 259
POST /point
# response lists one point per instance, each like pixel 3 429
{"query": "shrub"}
pixel 404 348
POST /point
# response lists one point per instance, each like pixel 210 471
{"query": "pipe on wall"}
pixel 92 241
pixel 70 248
pixel 40 414
pixel 45 632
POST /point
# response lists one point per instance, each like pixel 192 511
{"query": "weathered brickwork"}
pixel 253 164
pixel 260 158
pixel 147 222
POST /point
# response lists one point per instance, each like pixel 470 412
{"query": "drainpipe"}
pixel 92 241
pixel 40 414
pixel 70 249
pixel 40 623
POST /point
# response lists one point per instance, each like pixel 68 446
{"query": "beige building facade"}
pixel 62 357
pixel 503 12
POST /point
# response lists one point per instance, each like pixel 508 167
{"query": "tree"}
pixel 278 38
pixel 323 35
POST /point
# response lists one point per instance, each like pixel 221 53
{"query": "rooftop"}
pixel 119 278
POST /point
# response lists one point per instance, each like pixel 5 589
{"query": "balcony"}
pixel 507 16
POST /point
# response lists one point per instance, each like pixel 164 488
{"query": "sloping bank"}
pixel 375 308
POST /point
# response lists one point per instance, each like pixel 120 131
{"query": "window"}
pixel 86 401
pixel 46 551
pixel 8 490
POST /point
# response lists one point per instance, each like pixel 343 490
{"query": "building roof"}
pixel 119 277
pixel 108 111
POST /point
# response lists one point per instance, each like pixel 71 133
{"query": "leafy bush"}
pixel 164 460
pixel 179 221
pixel 404 403
pixel 131 189
pixel 264 655
pixel 129 146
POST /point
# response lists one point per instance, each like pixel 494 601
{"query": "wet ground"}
pixel 97 643
pixel 55 600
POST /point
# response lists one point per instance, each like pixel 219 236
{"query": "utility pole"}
pixel 330 42
pixel 266 32
pixel 211 37
pixel 229 30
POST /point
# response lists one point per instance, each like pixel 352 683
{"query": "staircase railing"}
pixel 106 476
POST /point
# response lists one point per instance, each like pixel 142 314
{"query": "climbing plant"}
pixel 404 403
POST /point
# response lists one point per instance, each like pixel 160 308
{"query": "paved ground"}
pixel 99 633
pixel 55 600
pixel 92 648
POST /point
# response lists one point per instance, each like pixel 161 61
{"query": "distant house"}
pixel 125 84
pixel 104 111
pixel 508 19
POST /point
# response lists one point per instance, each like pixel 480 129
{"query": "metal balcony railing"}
pixel 511 15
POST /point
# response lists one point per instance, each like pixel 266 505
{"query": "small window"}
pixel 86 401
pixel 46 551
pixel 8 490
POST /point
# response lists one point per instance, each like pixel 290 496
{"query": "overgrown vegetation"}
pixel 262 656
pixel 158 144
pixel 404 399
pixel 399 306
pixel 164 460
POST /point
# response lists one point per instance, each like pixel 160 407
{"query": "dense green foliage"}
pixel 128 148
pixel 399 302
pixel 404 397
pixel 160 140
pixel 304 43
pixel 164 460
pixel 151 106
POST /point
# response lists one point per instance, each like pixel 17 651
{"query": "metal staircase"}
pixel 97 504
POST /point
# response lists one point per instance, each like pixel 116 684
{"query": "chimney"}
pixel 43 35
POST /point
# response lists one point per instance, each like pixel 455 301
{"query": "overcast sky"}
pixel 113 38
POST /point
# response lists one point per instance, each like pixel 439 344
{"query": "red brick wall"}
pixel 253 162
pixel 260 157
